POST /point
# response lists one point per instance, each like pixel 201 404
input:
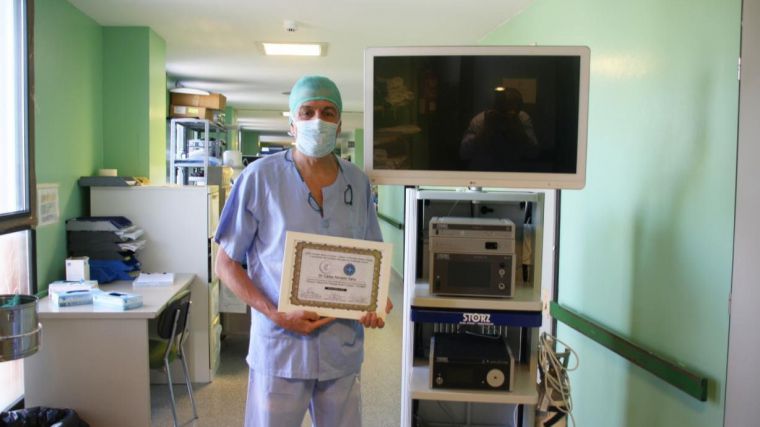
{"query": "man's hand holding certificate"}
pixel 334 276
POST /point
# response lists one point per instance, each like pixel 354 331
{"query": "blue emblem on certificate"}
pixel 349 269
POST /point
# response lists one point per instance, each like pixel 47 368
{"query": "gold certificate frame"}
pixel 334 276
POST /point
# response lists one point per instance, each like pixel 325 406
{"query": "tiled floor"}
pixel 221 403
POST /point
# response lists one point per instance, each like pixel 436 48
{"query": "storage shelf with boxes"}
pixel 207 107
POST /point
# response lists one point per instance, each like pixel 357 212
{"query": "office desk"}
pixel 95 360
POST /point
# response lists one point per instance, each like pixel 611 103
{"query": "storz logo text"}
pixel 476 318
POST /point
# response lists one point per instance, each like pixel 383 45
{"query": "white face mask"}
pixel 316 138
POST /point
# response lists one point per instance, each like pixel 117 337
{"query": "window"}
pixel 16 173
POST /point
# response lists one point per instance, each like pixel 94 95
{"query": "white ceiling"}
pixel 213 44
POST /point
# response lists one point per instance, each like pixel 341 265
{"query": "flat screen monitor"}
pixel 477 116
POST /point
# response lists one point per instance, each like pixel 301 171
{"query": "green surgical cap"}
pixel 313 88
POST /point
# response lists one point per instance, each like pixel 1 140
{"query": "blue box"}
pixel 71 297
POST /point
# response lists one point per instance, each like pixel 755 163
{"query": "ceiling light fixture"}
pixel 294 49
pixel 189 91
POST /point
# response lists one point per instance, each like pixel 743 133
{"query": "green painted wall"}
pixel 134 117
pixel 230 118
pixel 646 247
pixel 390 202
pixel 157 108
pixel 100 102
pixel 249 144
pixel 125 89
pixel 68 55
pixel 358 157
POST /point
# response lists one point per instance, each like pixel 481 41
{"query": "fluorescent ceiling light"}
pixel 189 91
pixel 293 49
pixel 276 139
pixel 179 87
pixel 286 114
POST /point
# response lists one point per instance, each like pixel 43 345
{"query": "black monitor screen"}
pixel 485 113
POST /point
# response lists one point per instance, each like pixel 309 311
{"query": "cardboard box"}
pixel 214 101
pixel 183 111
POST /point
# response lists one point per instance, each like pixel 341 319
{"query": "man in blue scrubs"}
pixel 298 360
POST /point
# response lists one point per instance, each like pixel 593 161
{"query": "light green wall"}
pixel 68 55
pixel 358 157
pixel 134 117
pixel 87 92
pixel 646 246
pixel 125 88
pixel 249 143
pixel 390 202
pixel 157 108
pixel 230 118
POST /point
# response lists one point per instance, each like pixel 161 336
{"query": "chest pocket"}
pixel 282 214
pixel 352 223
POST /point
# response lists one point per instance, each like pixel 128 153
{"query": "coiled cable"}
pixel 554 392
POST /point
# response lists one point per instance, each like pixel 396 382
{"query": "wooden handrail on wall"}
pixel 673 373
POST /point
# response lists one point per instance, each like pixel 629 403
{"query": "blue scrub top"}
pixel 268 199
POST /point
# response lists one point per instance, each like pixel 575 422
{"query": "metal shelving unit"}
pixel 195 171
pixel 524 310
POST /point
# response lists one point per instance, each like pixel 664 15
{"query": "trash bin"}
pixel 20 333
pixel 41 416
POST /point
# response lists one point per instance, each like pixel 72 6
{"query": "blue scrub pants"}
pixel 282 402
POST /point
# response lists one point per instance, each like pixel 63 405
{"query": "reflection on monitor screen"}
pixel 455 112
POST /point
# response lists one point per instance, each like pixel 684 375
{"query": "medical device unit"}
pixel 472 257
pixel 471 361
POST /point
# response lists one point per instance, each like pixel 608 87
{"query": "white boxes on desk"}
pixel 70 285
pixel 117 300
pixel 71 297
pixel 78 268
pixel 69 293
pixel 153 280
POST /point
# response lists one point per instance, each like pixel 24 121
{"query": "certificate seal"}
pixel 349 269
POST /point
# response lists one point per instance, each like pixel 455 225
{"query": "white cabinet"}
pixel 179 223
pixel 195 151
pixel 517 318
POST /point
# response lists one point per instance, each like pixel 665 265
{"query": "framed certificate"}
pixel 335 276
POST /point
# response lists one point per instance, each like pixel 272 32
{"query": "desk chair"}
pixel 171 329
